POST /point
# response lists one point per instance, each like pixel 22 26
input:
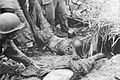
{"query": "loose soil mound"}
pixel 109 70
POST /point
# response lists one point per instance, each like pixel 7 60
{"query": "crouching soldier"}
pixel 25 39
pixel 10 26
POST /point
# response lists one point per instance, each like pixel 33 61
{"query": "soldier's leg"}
pixel 27 33
pixel 61 10
pixel 45 26
pixel 50 14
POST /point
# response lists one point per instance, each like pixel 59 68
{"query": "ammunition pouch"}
pixel 22 39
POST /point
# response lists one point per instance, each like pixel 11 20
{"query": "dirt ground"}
pixel 105 70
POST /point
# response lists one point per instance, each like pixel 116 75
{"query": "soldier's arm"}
pixel 40 35
pixel 14 53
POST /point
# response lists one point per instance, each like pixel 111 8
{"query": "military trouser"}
pixel 26 37
pixel 56 13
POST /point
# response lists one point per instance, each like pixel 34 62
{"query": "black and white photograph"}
pixel 59 39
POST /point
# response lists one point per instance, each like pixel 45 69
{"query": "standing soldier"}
pixel 56 13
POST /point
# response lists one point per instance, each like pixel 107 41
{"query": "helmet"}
pixel 9 22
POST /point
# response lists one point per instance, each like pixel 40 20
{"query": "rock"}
pixel 61 74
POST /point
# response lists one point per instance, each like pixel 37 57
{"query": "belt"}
pixel 4 10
